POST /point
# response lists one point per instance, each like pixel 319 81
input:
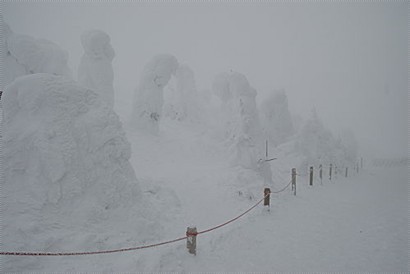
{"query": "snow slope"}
pixel 349 224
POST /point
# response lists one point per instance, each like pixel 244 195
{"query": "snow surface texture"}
pixel 27 55
pixel 95 71
pixel 240 119
pixel 149 97
pixel 67 171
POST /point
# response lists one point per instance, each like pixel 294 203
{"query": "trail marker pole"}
pixel 294 180
pixel 346 172
pixel 266 194
pixel 191 233
pixel 321 174
pixel 311 176
pixel 330 172
pixel 361 163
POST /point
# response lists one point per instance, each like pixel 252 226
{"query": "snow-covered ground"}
pixel 349 224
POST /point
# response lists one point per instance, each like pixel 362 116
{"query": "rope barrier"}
pixel 130 248
pixel 188 234
pixel 283 189
pixel 232 220
pixel 91 252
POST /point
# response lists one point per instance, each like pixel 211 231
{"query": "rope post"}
pixel 191 233
pixel 321 174
pixel 330 172
pixel 311 176
pixel 266 194
pixel 294 180
pixel 346 172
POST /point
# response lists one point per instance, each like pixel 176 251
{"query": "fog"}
pixel 347 60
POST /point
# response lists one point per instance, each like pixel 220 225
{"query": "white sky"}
pixel 348 60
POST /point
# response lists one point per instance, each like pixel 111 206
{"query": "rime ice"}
pixel 149 97
pixel 95 71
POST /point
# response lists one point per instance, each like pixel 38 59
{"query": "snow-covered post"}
pixel 191 233
pixel 266 194
pixel 311 176
pixel 95 71
pixel 294 180
pixel 149 97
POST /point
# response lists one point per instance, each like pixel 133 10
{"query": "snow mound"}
pixel 95 71
pixel 67 170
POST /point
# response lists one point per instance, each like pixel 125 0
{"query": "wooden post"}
pixel 266 194
pixel 311 176
pixel 294 180
pixel 321 174
pixel 191 233
pixel 346 172
pixel 330 172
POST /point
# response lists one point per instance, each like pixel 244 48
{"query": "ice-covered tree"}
pixel 276 118
pixel 318 145
pixel 25 55
pixel 181 101
pixel 242 122
pixel 66 164
pixel 95 70
pixel 149 97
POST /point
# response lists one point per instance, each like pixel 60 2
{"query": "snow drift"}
pixel 95 71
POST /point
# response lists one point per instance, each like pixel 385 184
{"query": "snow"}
pixel 77 179
pixel 276 118
pixel 149 97
pixel 95 71
pixel 349 224
pixel 66 170
pixel 181 101
pixel 27 55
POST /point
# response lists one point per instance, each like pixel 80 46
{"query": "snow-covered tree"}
pixel 276 118
pixel 95 70
pixel 66 164
pixel 25 55
pixel 241 122
pixel 149 97
pixel 181 101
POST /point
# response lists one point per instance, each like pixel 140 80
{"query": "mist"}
pixel 346 60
